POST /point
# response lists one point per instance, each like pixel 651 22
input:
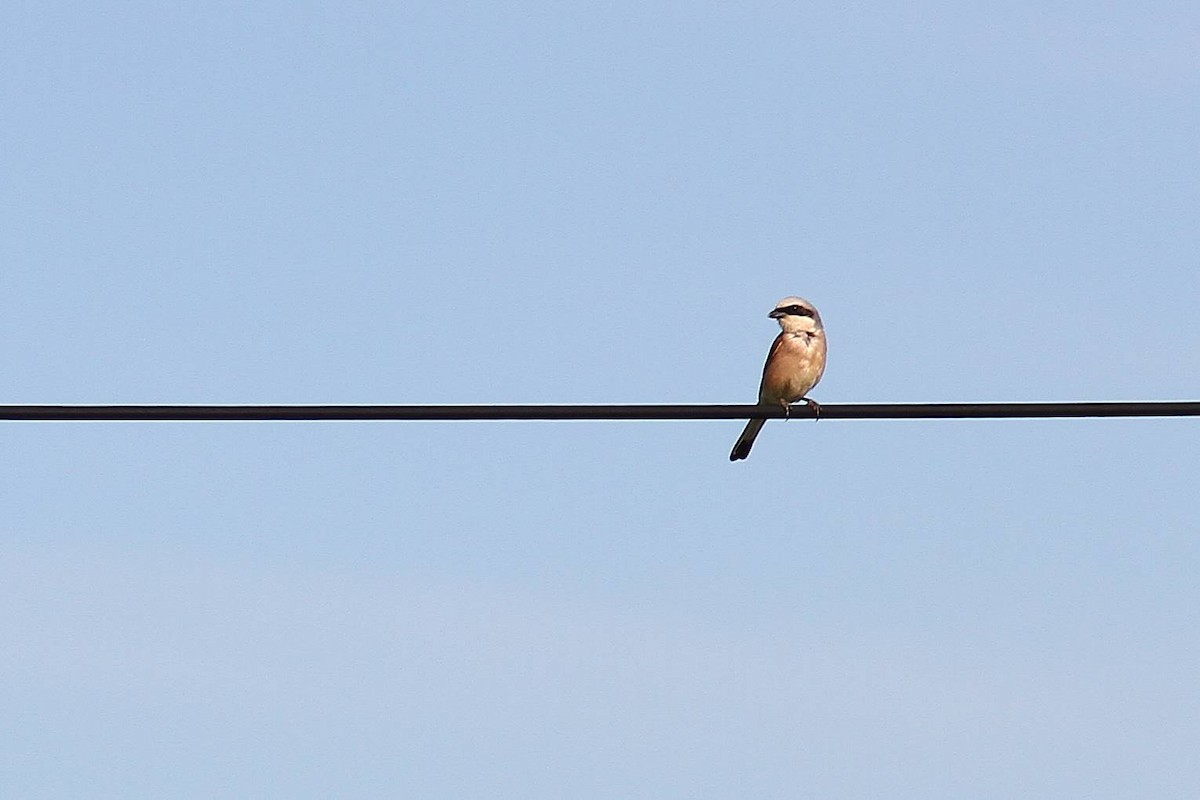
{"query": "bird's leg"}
pixel 814 405
pixel 787 410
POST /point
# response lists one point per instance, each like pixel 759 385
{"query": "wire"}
pixel 229 413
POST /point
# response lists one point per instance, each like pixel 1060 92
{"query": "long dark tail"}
pixel 741 447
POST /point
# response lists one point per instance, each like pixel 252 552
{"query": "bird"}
pixel 794 365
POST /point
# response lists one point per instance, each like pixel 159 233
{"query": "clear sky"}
pixel 481 202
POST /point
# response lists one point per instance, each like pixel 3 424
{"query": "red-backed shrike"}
pixel 794 365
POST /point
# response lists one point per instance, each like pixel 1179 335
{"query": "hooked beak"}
pixel 775 314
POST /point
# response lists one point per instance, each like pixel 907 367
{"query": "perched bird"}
pixel 794 365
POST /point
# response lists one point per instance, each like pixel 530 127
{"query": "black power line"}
pixel 229 413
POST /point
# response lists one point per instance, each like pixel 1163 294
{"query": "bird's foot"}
pixel 814 406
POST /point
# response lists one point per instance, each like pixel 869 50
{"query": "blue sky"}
pixel 509 203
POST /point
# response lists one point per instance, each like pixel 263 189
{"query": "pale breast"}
pixel 793 369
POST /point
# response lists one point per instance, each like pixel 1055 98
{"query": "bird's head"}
pixel 796 314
